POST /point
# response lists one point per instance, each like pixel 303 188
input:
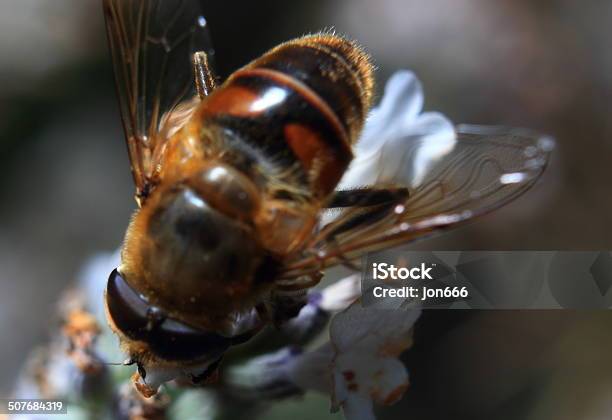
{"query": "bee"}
pixel 233 180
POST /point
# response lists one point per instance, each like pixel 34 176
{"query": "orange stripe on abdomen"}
pixel 268 109
pixel 325 168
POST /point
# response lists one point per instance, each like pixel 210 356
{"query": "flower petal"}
pixel 373 331
pixel 341 294
pixel 402 101
pixel 398 145
pixel 383 379
pixel 405 157
pixel 312 370
pixel 358 408
pixel 268 376
pixel 433 136
pixel 390 382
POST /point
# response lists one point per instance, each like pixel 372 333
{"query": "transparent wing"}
pixel 481 170
pixel 152 44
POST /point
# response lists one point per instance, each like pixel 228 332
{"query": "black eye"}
pixel 167 338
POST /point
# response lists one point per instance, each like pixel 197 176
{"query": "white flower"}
pixel 399 142
pixel 359 365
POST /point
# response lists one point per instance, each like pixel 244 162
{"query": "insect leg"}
pixel 289 297
pixel 209 375
pixel 285 305
pixel 318 309
pixel 204 76
pixel 373 204
pixel 366 197
pixel 378 203
pixel 309 321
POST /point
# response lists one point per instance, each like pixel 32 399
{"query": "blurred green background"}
pixel 66 192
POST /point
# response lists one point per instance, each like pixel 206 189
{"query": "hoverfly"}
pixel 232 182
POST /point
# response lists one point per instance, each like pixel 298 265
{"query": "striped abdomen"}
pixel 301 105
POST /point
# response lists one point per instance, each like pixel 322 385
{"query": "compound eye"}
pixel 127 310
pixel 168 339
